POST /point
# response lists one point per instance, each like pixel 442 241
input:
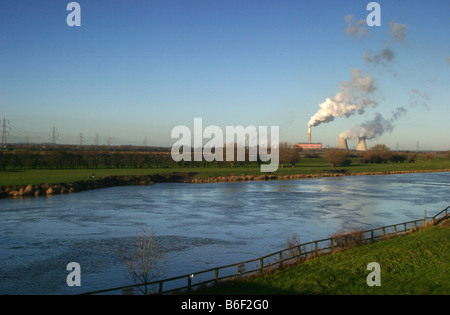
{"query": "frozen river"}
pixel 200 226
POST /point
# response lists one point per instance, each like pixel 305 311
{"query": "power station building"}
pixel 343 145
pixel 307 146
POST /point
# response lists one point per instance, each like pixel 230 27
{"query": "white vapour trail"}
pixel 354 96
pixel 373 128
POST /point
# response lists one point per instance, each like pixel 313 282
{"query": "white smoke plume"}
pixel 397 31
pixel 354 96
pixel 356 28
pixel 418 98
pixel 373 128
pixel 387 55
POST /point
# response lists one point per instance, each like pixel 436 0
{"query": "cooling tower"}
pixel 343 143
pixel 361 144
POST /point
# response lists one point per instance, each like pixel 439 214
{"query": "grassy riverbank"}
pixel 308 166
pixel 417 263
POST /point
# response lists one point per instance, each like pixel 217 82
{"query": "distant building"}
pixel 305 146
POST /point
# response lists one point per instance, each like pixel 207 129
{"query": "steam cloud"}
pixel 356 28
pixel 373 128
pixel 418 98
pixel 379 125
pixel 386 55
pixel 354 96
pixel 397 31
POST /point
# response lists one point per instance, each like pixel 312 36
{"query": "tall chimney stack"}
pixel 309 134
pixel 361 144
pixel 343 143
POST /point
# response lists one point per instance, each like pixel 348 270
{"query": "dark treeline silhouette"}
pixel 92 159
pixel 73 157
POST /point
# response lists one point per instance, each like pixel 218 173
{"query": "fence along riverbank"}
pixel 276 259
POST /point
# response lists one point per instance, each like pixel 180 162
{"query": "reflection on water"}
pixel 200 225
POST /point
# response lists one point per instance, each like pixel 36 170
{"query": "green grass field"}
pixel 418 263
pixel 306 166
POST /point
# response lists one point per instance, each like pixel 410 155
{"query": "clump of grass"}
pixel 347 240
pixel 293 244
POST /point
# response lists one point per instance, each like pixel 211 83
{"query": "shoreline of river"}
pixel 46 189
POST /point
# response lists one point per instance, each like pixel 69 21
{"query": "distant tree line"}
pixel 24 159
pixel 378 154
pixel 68 159
pixel 289 154
pixel 92 159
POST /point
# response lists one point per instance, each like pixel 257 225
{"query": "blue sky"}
pixel 136 69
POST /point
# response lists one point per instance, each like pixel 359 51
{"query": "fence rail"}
pixel 277 259
pixel 441 215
